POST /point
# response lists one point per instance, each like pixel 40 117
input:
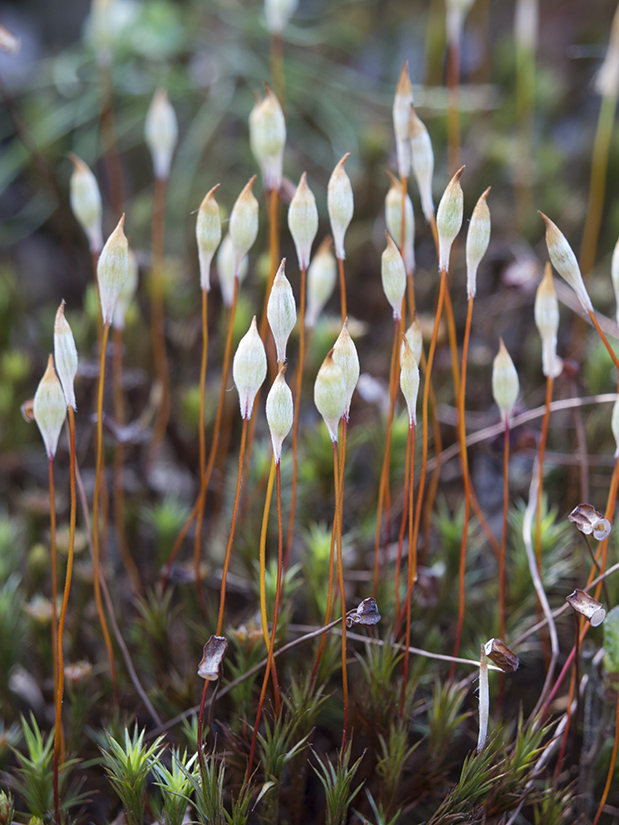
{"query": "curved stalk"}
pixel 412 569
pixel 504 531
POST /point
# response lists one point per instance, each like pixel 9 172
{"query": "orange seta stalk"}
pixel 157 321
pixel 95 514
pixel 340 574
pixel 466 480
pixel 504 531
pixel 383 489
pixel 57 731
pixel 295 422
pixel 270 666
pixel 237 495
pixel 412 568
pixel 611 767
pixel 426 396
pixel 540 488
pixel 119 461
pixel 404 521
pixel 63 612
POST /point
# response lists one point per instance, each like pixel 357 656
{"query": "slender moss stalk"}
pixel 383 489
pixel 237 495
pixel 119 464
pixel 63 612
pixel 611 768
pixel 412 566
pixel 504 530
pixel 464 458
pixel 95 513
pixel 597 185
pixel 340 574
pixel 52 519
pixel 270 660
pixel 157 320
pixel 540 489
pixel 295 425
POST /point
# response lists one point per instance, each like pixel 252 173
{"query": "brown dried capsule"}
pixel 589 521
pixel 498 653
pixel 212 657
pixel 366 614
pixel 587 606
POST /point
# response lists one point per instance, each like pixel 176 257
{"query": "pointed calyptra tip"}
pixel 340 205
pixel 279 412
pixel 393 276
pixel 477 240
pixel 505 384
pixel 85 199
pixel 161 133
pixel 65 355
pixel 330 394
pixel 208 235
pixel 249 368
pixel 243 225
pixel 346 357
pixel 281 311
pixel 49 408
pixel 404 84
pixel 564 261
pixel 112 270
pixel 303 221
pixel 449 218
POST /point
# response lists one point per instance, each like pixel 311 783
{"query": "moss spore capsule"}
pixel 127 293
pixel 50 408
pixel 85 200
pixel 330 394
pixel 281 311
pixel 564 261
pixel 505 384
pixel 112 270
pixel 161 133
pixel 547 322
pixel 267 138
pixel 303 221
pixel 345 355
pixel 65 355
pixel 393 219
pixel 422 161
pixel 208 235
pixel 477 240
pixel 340 204
pixel 409 380
pixel 321 280
pixel 227 270
pixel 249 368
pixel 449 219
pixel 243 226
pixel 402 102
pixel 393 276
pixel 279 412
